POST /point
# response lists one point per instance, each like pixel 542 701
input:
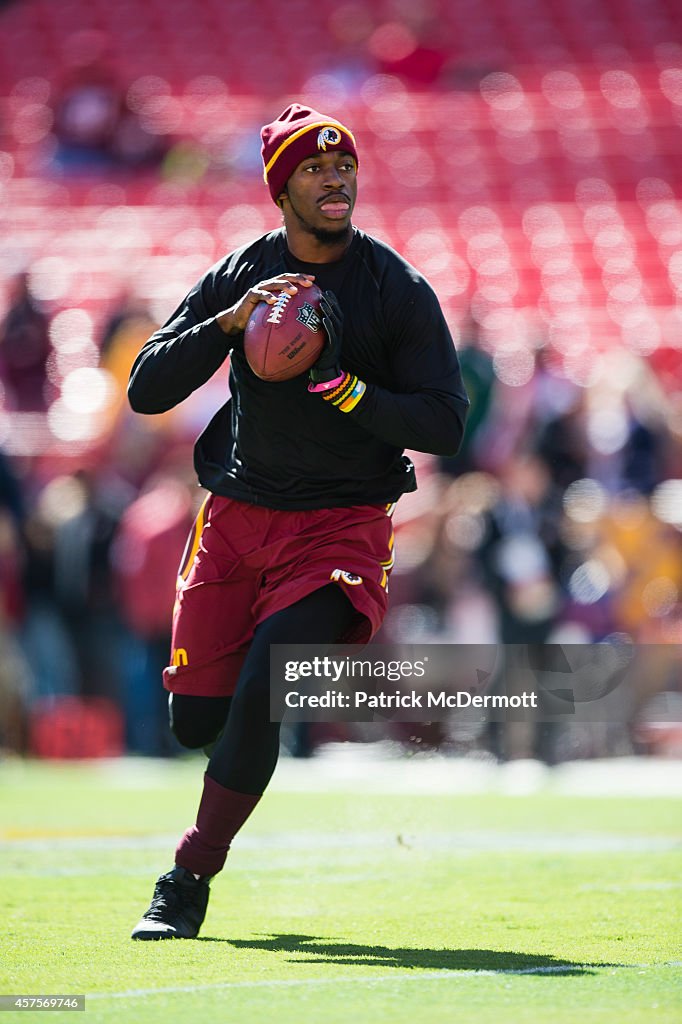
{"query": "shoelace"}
pixel 167 895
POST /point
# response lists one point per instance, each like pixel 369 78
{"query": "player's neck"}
pixel 309 249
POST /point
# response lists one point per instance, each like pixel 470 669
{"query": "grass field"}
pixel 353 901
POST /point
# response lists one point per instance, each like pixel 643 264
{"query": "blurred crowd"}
pixel 559 522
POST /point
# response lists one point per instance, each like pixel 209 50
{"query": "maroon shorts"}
pixel 243 563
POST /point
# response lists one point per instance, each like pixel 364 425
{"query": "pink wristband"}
pixel 327 385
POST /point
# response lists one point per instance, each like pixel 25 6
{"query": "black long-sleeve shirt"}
pixel 277 445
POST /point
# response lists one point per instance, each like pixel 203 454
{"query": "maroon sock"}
pixel 222 812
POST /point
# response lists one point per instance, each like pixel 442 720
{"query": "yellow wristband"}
pixel 354 397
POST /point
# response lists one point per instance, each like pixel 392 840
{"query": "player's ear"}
pixel 282 196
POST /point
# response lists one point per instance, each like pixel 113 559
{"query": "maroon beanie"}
pixel 297 133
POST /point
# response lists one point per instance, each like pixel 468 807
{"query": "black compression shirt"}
pixel 277 445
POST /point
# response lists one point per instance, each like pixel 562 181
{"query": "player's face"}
pixel 321 195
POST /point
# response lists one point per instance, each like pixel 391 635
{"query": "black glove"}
pixel 327 366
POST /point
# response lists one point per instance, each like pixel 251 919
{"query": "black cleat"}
pixel 177 909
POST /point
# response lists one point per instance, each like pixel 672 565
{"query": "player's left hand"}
pixel 327 366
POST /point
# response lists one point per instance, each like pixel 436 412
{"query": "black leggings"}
pixel 246 753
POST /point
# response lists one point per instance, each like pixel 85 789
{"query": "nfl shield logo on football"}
pixel 307 314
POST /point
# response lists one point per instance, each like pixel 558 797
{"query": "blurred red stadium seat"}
pixel 559 97
pixel 67 728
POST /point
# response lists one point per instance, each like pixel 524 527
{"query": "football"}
pixel 285 339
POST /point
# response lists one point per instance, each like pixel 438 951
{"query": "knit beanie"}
pixel 299 132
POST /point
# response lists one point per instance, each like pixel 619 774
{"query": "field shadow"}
pixel 336 951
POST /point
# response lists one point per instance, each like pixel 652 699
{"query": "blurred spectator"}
pixel 15 678
pixel 83 585
pixel 86 116
pixel 415 55
pixel 130 316
pixel 11 558
pixel 95 127
pixel 521 551
pixel 15 693
pixel 145 556
pixel 616 433
pixel 563 444
pixel 129 324
pixel 648 450
pixel 72 635
pixel 24 348
pixel 521 554
pixel 11 496
pixel 657 722
pixel 479 378
pixel 428 598
pixel 643 560
pixel 44 636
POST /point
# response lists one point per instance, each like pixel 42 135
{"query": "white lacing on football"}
pixel 278 309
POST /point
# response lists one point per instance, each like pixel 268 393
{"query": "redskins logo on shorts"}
pixel 340 575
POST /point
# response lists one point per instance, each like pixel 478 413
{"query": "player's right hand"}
pixel 235 319
pixel 327 366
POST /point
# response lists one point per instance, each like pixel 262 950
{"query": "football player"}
pixel 293 543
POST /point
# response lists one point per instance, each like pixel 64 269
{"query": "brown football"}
pixel 285 339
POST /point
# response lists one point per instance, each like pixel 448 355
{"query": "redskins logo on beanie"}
pixel 299 132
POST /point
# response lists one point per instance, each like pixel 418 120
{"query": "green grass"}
pixel 339 907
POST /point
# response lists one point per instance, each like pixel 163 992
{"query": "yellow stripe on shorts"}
pixel 188 561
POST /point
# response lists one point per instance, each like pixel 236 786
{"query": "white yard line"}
pixel 295 841
pixel 390 978
pixel 383 768
pixel 341 767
